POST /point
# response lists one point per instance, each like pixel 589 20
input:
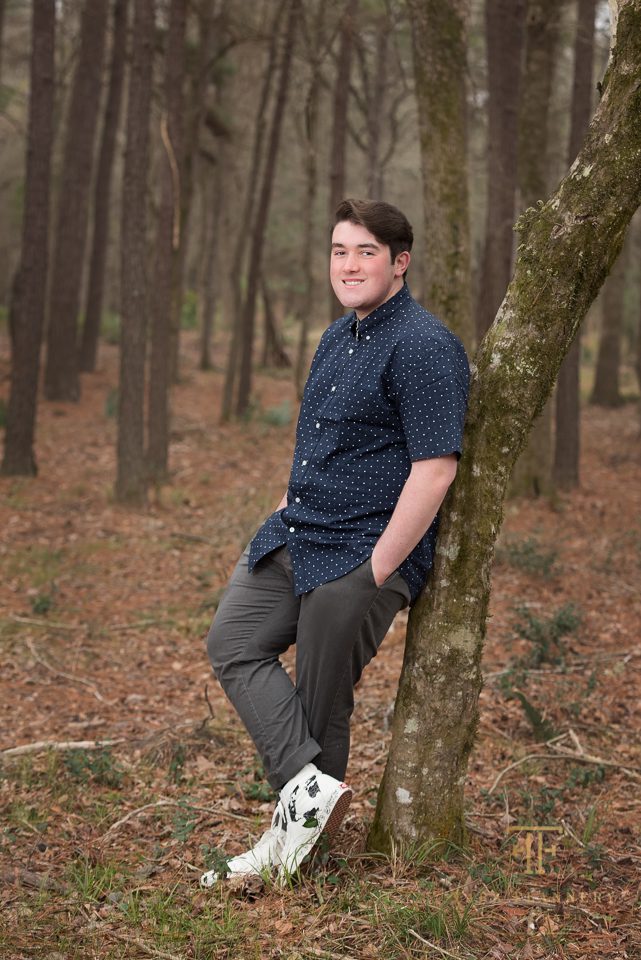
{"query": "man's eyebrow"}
pixel 361 246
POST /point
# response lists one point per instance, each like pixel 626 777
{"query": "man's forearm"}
pixel 418 504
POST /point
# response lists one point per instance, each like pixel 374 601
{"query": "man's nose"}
pixel 351 262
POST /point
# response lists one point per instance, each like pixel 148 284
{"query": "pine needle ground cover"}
pixel 104 614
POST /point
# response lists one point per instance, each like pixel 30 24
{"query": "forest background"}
pixel 166 206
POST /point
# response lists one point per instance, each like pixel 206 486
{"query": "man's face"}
pixel 361 272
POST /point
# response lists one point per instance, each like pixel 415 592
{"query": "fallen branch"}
pixel 173 803
pixel 632 772
pixel 51 624
pixel 134 941
pixel 193 537
pixel 428 943
pixel 29 878
pixel 59 745
pixel 60 673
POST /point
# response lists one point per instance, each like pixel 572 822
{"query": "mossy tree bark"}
pixel 565 251
pixel 439 34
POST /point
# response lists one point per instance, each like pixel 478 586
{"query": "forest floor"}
pixel 104 613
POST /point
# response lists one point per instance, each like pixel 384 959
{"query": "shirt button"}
pixel 350 350
pixel 304 463
pixel 291 529
pixel 297 499
pixel 317 425
pixel 367 337
pixel 333 388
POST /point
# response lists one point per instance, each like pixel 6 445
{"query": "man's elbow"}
pixel 441 470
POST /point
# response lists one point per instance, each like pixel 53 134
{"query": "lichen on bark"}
pixel 566 248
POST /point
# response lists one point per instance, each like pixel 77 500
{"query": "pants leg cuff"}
pixel 293 763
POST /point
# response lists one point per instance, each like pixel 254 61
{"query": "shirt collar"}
pixel 382 313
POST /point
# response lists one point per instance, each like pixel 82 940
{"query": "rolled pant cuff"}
pixel 294 762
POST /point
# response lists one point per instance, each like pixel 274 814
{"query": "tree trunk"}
pixel 245 225
pixel 209 284
pixel 532 475
pixel 131 483
pixel 567 436
pixel 339 127
pixel 565 251
pixel 310 147
pixel 504 20
pixel 61 373
pixel 606 391
pixel 3 7
pixel 262 214
pixel 102 192
pixel 274 353
pixel 168 241
pixel 439 41
pixel 26 314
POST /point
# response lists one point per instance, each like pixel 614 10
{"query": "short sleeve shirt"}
pixel 380 395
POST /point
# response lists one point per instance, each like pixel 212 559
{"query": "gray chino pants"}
pixel 337 628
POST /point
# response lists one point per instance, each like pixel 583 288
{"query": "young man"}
pixel 351 542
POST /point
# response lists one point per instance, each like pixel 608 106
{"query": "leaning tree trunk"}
pixel 565 251
pixel 504 21
pixel 606 391
pixel 532 475
pixel 131 483
pixel 26 313
pixel 102 192
pixel 439 31
pixel 567 434
pixel 62 381
pixel 168 241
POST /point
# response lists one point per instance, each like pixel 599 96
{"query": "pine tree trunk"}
pixel 567 445
pixel 504 20
pixel 274 353
pixel 245 225
pixel 439 40
pixel 606 391
pixel 532 475
pixel 209 283
pixel 262 215
pixel 338 146
pixel 565 251
pixel 131 483
pixel 26 314
pixel 311 146
pixel 102 192
pixel 62 381
pixel 168 241
pixel 3 7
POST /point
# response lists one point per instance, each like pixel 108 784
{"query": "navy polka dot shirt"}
pixel 376 399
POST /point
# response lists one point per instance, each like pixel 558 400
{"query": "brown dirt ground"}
pixel 104 612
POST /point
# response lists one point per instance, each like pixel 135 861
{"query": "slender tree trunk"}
pixel 102 192
pixel 131 482
pixel 274 352
pixel 532 475
pixel 566 249
pixel 439 39
pixel 61 373
pixel 606 391
pixel 567 435
pixel 504 21
pixel 3 7
pixel 338 149
pixel 26 315
pixel 245 225
pixel 209 282
pixel 168 242
pixel 311 146
pixel 262 215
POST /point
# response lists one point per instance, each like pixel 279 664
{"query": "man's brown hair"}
pixel 383 220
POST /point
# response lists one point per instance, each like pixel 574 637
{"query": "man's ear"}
pixel 401 263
